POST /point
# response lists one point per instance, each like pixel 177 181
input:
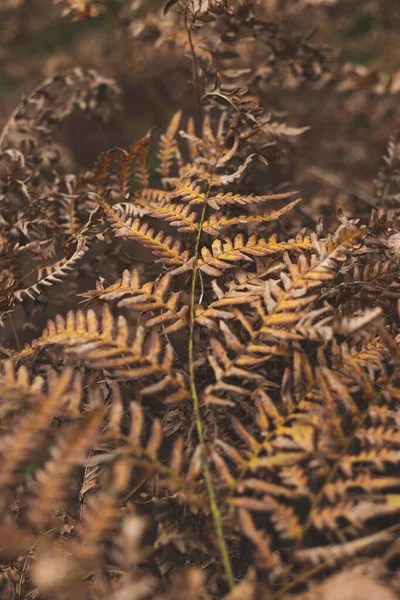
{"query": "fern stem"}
pixel 215 510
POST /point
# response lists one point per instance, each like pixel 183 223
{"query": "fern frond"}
pixel 31 429
pixel 131 293
pixel 146 455
pixel 389 173
pixel 216 224
pixel 355 515
pixel 224 255
pixel 18 389
pixel 169 250
pixel 56 273
pixel 333 554
pixel 101 516
pixel 199 173
pixel 135 156
pixel 168 146
pixel 18 382
pixel 53 482
pixel 120 168
pixel 151 198
pixel 229 199
pixel 68 214
pixel 266 558
pixel 176 215
pixel 277 318
pixel 190 192
pixel 103 169
pixel 106 345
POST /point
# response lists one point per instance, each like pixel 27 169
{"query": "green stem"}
pixel 215 510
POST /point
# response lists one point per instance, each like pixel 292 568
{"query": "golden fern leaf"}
pixel 217 224
pixel 355 514
pixel 107 346
pixel 353 489
pixel 199 173
pixel 225 255
pixel 364 482
pixel 282 303
pixel 356 493
pixel 277 318
pixel 189 191
pixel 221 309
pixel 151 198
pixel 131 293
pixel 176 215
pixel 230 199
pixel 165 247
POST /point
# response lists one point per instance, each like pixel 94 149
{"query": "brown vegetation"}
pixel 200 361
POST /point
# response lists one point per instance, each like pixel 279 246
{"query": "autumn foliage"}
pixel 200 360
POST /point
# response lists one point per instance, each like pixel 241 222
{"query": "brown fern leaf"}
pixel 53 483
pixel 265 557
pixel 55 273
pixel 168 146
pixel 18 382
pixel 31 429
pixel 68 214
pixel 101 516
pixel 135 156
pixel 119 168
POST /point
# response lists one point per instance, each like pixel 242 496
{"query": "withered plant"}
pixel 212 409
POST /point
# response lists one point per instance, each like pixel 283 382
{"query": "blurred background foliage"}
pixel 348 129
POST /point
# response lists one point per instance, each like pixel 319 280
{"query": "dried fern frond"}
pixel 31 429
pixel 107 345
pixel 221 418
pixel 56 272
